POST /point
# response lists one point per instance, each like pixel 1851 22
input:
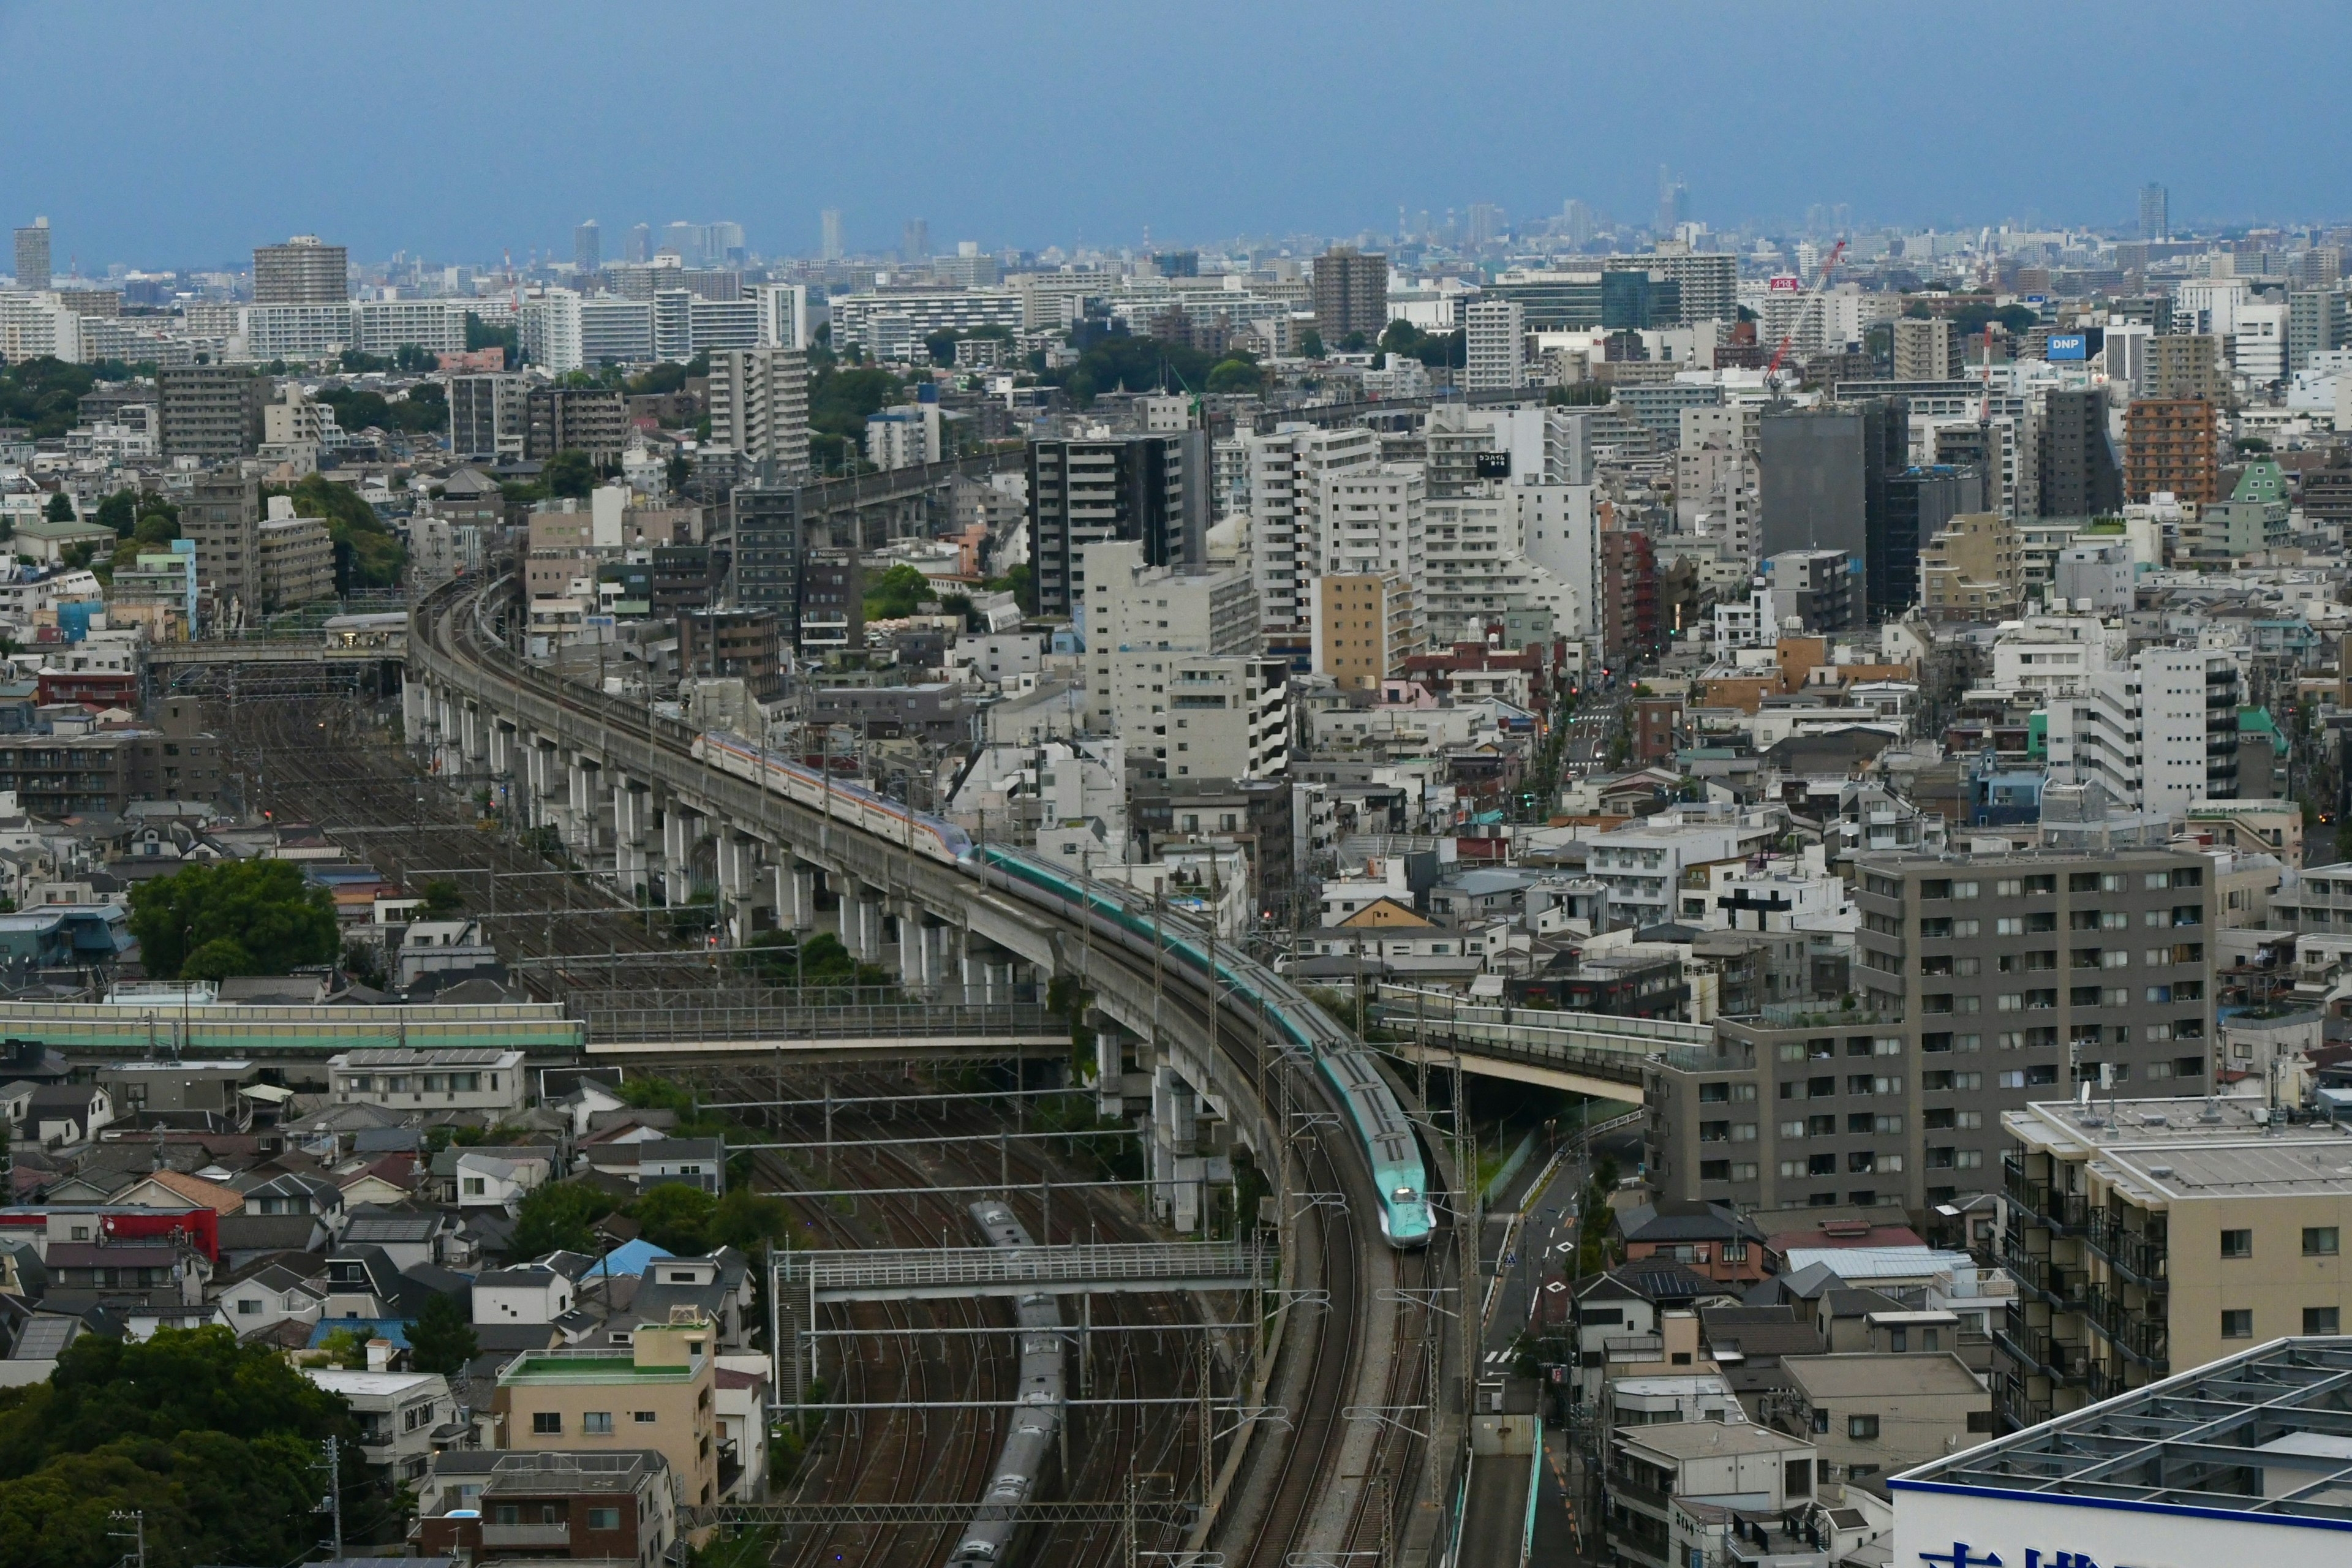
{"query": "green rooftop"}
pixel 558 1366
pixel 2263 480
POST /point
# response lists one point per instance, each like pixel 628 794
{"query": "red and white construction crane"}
pixel 1804 313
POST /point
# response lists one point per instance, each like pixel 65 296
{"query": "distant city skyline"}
pixel 1520 107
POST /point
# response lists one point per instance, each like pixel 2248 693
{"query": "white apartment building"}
pixel 1129 607
pixel 2258 347
pixel 549 331
pixel 2160 733
pixel 2209 306
pixel 904 437
pixel 1494 345
pixel 783 315
pixel 758 407
pixel 1287 471
pixel 716 325
pixel 2054 654
pixel 385 326
pixel 1559 531
pixel 1642 866
pixel 1201 715
pixel 1374 520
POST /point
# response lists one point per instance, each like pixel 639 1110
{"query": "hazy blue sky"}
pixel 162 134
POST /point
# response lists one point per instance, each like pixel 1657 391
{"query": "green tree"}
pixel 60 508
pixel 120 512
pixel 558 1216
pixel 1310 344
pixel 440 1338
pixel 155 529
pixel 676 1217
pixel 942 347
pixel 480 335
pixel 749 1220
pixel 261 915
pixel 216 1442
pixel 897 593
pixel 376 556
pixel 570 474
pixel 1237 374
pixel 443 897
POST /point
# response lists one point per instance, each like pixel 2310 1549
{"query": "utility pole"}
pixel 331 1456
pixel 136 1518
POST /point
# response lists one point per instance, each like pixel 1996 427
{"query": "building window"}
pixel 547 1423
pixel 2237 1244
pixel 1862 1428
pixel 2238 1324
pixel 642 1417
pixel 604 1518
pixel 2320 1319
pixel 2319 1241
pixel 596 1423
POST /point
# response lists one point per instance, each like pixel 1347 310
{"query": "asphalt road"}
pixel 1588 729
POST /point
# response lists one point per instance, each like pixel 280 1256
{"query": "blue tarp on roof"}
pixel 391 1329
pixel 629 1258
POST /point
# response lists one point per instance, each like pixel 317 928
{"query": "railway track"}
pixel 1306 1485
pixel 947 1456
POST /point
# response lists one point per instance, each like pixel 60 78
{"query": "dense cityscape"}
pixel 673 900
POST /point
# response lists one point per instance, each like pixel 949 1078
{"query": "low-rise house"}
pixel 177 1190
pixel 658 1393
pixel 63 1114
pixel 262 1300
pixel 741 1384
pixel 364 1284
pixel 531 1293
pixel 410 1237
pixel 1652 1471
pixel 451 1078
pixel 1873 1413
pixel 401 1415
pixel 1706 1238
pixel 495 1181
pixel 611 1506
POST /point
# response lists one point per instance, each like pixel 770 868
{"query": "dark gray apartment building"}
pixel 1150 489
pixel 590 419
pixel 1982 983
pixel 1823 478
pixel 209 411
pixel 2080 474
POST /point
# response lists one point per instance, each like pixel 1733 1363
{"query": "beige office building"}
pixel 2150 1237
pixel 1973 569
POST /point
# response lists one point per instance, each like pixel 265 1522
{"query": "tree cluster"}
pixel 216 1443
pixel 376 555
pixel 237 917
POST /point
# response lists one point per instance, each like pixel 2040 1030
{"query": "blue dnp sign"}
pixel 2068 345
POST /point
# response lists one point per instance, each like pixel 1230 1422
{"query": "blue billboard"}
pixel 2068 345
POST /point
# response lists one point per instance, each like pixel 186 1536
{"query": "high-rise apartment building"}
pixel 637 249
pixel 759 407
pixel 766 565
pixel 915 241
pixel 2169 446
pixel 1287 472
pixel 33 256
pixel 2187 364
pixel 222 518
pixel 1083 490
pixel 2319 321
pixel 1706 283
pixel 1823 483
pixel 302 271
pixel 2155 212
pixel 486 415
pixel 2080 476
pixel 1972 569
pixel 587 247
pixel 1926 349
pixel 1365 627
pixel 590 419
pixel 1984 982
pixel 1494 345
pixel 1351 293
pixel 1628 597
pixel 2158 734
pixel 212 412
pixel 829 235
pixel 1919 502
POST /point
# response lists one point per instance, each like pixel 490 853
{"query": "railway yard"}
pixel 1298 1421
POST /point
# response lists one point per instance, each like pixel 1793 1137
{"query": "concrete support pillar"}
pixel 500 761
pixel 631 807
pixel 1110 1068
pixel 862 912
pixel 910 946
pixel 803 903
pixel 739 860
pixel 585 798
pixel 679 834
pixel 539 785
pixel 415 708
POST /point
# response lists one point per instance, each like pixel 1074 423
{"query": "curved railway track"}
pixel 1306 1498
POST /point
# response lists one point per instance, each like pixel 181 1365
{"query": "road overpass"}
pixel 1586 1052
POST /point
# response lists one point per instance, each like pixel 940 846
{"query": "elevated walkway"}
pixel 1588 1053
pixel 1101 1268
